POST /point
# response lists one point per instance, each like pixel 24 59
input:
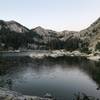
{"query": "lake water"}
pixel 62 77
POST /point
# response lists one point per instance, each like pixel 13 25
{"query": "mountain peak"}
pixel 96 22
pixel 13 26
pixel 39 28
pixel 2 22
pixel 8 22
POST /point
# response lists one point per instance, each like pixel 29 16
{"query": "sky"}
pixel 57 15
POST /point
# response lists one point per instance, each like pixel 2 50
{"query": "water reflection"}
pixel 61 77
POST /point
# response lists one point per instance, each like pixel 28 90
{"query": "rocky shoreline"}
pixel 60 53
pixel 6 94
pixel 94 56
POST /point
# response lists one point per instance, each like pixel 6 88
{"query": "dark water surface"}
pixel 62 77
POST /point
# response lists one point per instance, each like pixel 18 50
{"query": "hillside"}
pixel 91 35
pixel 16 36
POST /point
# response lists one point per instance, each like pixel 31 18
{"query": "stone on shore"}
pixel 6 94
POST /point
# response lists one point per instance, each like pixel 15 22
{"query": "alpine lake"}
pixel 62 77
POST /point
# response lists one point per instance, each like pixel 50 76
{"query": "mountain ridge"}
pixel 40 38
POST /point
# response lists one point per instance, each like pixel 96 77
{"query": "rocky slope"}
pixel 13 26
pixel 69 39
pixel 15 36
pixel 12 34
pixel 91 35
pixel 47 39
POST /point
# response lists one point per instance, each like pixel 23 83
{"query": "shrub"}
pixel 97 46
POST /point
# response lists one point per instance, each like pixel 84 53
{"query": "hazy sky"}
pixel 53 14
